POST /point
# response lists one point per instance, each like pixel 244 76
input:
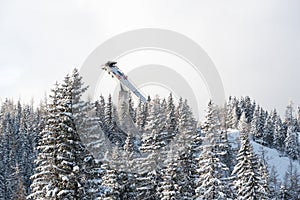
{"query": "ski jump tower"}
pixel 116 73
pixel 126 123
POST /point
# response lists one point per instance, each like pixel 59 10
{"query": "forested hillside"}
pixel 68 148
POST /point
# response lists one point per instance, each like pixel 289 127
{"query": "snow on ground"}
pixel 272 156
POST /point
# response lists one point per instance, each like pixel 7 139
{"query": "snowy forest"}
pixel 70 148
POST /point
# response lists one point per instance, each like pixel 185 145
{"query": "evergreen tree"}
pixel 110 182
pixel 100 111
pixel 171 118
pixel 140 116
pixel 153 138
pixel 44 180
pixel 279 135
pixel 290 189
pixel 274 183
pixel 233 113
pixel 212 121
pixel 60 171
pixel 248 109
pixel 243 126
pixel 263 170
pixel 130 147
pixel 187 144
pixel 168 189
pixel 108 119
pixel 289 114
pixel 131 108
pixel 292 144
pixel 248 182
pixel 212 183
pixel 268 136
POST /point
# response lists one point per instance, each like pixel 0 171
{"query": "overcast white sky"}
pixel 254 44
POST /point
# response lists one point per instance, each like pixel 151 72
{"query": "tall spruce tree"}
pixel 292 143
pixel 247 182
pixel 61 171
pixel 212 183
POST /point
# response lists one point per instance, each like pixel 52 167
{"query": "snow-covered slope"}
pixel 272 156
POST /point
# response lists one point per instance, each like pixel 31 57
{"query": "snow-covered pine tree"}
pixel 100 111
pixel 289 114
pixel 279 135
pixel 168 188
pixel 131 109
pixel 79 107
pixel 69 150
pixel 44 180
pixel 257 129
pixel 140 116
pixel 91 133
pixel 274 184
pixel 171 124
pixel 29 128
pixel 85 114
pixel 212 181
pixel 290 188
pixel 146 185
pixel 187 147
pixel 247 182
pixel 152 139
pixel 110 182
pixel 254 123
pixel 239 108
pixel 263 170
pixel 163 117
pixel 20 193
pixel 153 143
pixel 179 108
pixel 111 129
pixel 243 126
pixel 91 176
pixel 268 135
pixel 11 140
pixel 60 166
pixel 248 109
pixel 232 113
pixel 292 143
pixel 211 122
pixel 108 119
pixel 227 156
pixel 165 135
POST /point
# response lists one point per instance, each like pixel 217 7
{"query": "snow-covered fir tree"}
pixel 110 182
pixel 44 180
pixel 274 183
pixel 268 135
pixel 248 183
pixel 290 187
pixel 279 135
pixel 171 124
pixel 212 181
pixel 100 111
pixel 153 138
pixel 292 143
pixel 168 188
pixel 59 172
pixel 187 145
